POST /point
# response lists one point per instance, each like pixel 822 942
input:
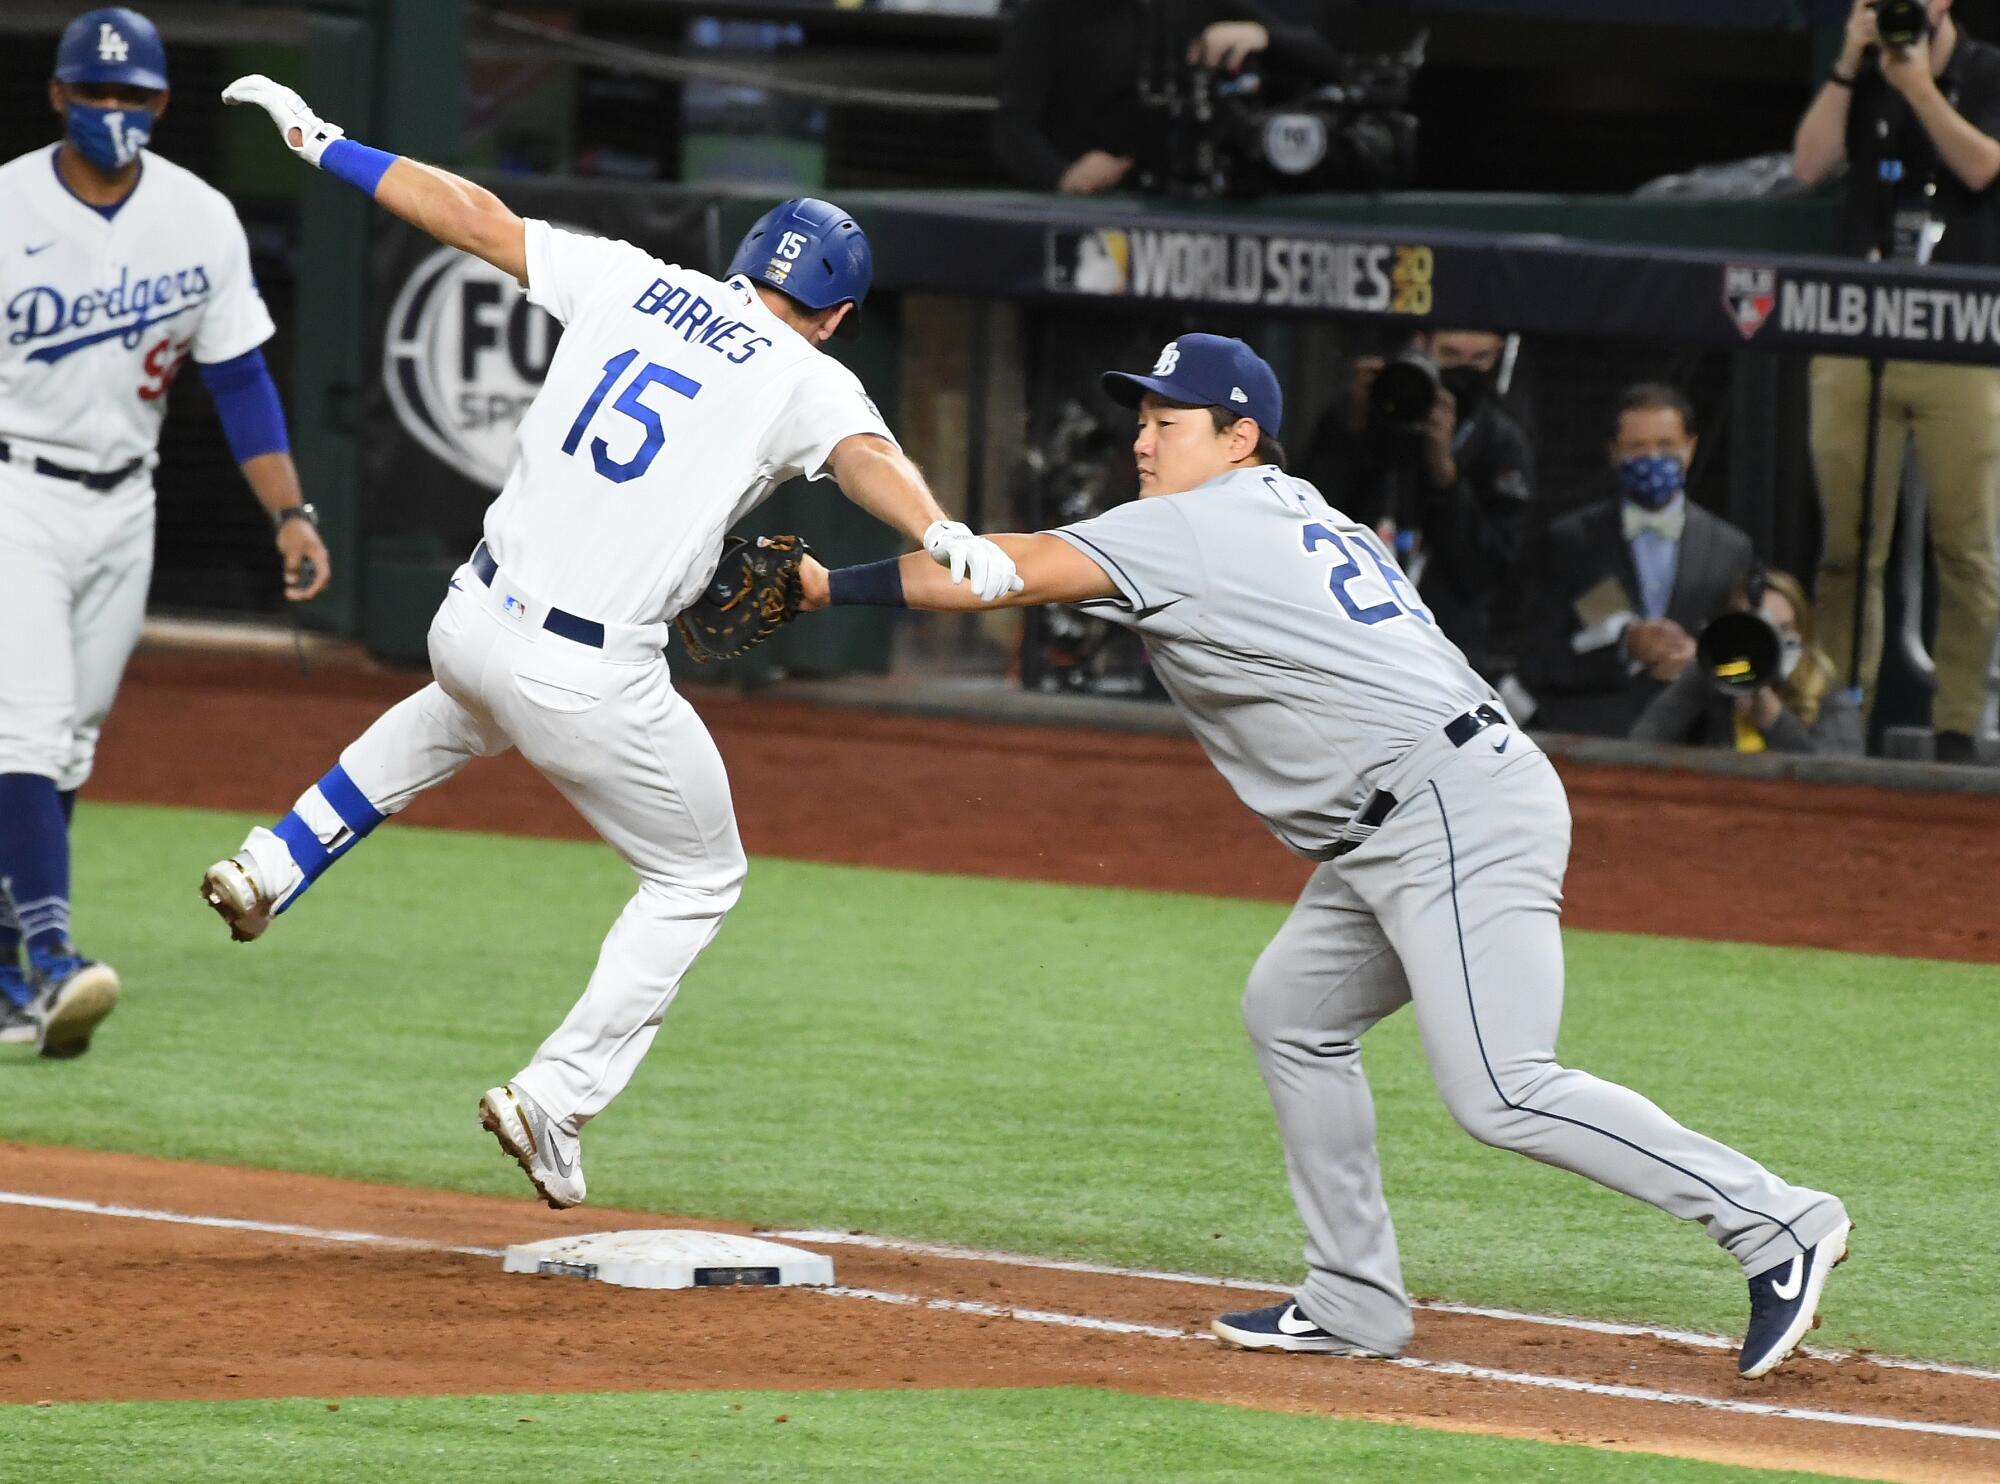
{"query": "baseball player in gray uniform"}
pixel 1310 673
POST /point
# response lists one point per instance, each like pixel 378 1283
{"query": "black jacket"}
pixel 1595 693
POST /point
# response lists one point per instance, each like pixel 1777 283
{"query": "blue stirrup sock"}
pixel 34 862
pixel 330 819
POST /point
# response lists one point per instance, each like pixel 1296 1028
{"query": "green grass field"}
pixel 936 1437
pixel 1062 1071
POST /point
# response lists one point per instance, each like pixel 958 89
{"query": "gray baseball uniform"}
pixel 1342 716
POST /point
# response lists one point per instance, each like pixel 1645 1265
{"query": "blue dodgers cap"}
pixel 1207 371
pixel 112 44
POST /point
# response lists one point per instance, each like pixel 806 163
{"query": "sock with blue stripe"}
pixel 329 819
pixel 34 862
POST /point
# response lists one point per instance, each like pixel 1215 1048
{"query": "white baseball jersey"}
pixel 97 313
pixel 1288 636
pixel 674 405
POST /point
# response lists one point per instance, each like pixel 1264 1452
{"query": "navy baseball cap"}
pixel 1207 371
pixel 112 44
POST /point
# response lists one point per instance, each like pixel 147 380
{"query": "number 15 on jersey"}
pixel 631 403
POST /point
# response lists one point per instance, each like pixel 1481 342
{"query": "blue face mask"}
pixel 1652 479
pixel 110 138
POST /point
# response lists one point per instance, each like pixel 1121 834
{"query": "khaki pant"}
pixel 1952 415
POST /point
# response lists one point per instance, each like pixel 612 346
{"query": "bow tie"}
pixel 1668 521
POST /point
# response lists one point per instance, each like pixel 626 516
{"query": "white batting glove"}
pixel 289 112
pixel 972 558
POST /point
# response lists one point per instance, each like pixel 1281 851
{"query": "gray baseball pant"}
pixel 1452 905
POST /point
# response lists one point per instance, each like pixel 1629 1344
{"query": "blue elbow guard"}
pixel 253 420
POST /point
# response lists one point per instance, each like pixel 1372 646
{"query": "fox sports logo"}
pixel 464 356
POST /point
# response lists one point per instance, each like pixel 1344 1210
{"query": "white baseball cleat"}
pixel 548 1154
pixel 231 888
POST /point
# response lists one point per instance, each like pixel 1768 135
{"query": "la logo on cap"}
pixel 111 46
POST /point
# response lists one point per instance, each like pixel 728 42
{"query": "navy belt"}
pixel 568 625
pixel 110 479
pixel 1458 731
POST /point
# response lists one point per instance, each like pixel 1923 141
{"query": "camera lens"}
pixel 1405 390
pixel 1901 23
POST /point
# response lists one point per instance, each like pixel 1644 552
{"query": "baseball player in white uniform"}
pixel 116 267
pixel 675 403
pixel 1319 685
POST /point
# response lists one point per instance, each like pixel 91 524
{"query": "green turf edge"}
pixel 941 1437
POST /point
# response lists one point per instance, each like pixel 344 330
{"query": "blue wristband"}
pixel 875 584
pixel 357 164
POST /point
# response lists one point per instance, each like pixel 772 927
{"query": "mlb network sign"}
pixel 1824 308
pixel 1235 268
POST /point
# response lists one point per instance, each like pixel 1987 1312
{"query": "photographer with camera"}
pixel 1625 583
pixel 1424 450
pixel 1913 106
pixel 1760 681
pixel 1071 117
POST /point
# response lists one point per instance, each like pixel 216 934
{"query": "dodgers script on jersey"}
pixel 1295 647
pixel 674 405
pixel 99 313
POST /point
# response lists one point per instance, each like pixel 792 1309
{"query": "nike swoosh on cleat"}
pixel 1789 1289
pixel 1291 1322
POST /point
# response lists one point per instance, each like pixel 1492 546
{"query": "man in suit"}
pixel 1626 583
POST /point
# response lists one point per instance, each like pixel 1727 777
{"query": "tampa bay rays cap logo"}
pixel 111 47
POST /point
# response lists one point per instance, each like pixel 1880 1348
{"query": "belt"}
pixel 1380 804
pixel 110 479
pixel 568 625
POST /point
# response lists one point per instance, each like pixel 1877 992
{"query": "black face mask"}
pixel 1469 387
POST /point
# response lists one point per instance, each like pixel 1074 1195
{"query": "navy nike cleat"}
pixel 1784 1303
pixel 71 996
pixel 1284 1327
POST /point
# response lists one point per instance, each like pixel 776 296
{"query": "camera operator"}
pixel 1913 106
pixel 1437 465
pixel 1625 583
pixel 1070 119
pixel 1796 704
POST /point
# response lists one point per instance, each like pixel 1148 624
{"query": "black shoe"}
pixel 1784 1303
pixel 1954 747
pixel 1284 1327
pixel 71 996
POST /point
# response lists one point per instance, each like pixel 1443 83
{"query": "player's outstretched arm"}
pixel 448 207
pixel 1049 568
pixel 881 479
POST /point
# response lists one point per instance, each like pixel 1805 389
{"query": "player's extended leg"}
pixel 635 760
pixel 416 744
pixel 43 541
pixel 1326 978
pixel 1466 877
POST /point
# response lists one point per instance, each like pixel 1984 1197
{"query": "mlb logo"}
pixel 1750 294
pixel 513 606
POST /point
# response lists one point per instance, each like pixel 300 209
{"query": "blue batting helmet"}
pixel 808 250
pixel 112 44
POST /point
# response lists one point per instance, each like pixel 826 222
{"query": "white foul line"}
pixel 230 1223
pixel 1045 1316
pixel 1444 1368
pixel 1436 1306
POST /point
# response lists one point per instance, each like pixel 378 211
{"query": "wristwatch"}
pixel 302 511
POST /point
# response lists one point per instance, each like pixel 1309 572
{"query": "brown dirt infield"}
pixel 103 1307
